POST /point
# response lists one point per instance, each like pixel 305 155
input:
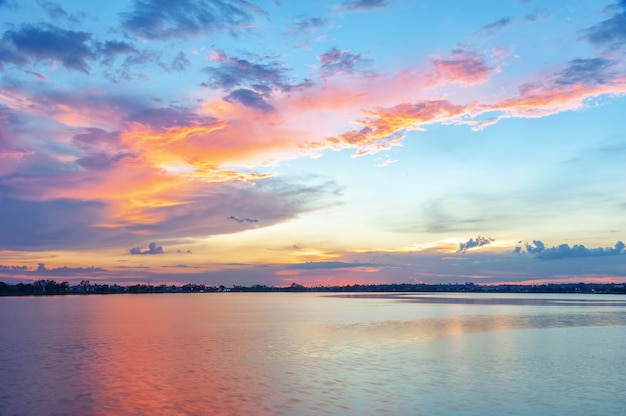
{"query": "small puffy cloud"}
pixel 152 249
pixel 539 250
pixel 471 243
pixel 181 19
pixel 49 42
pixel 242 220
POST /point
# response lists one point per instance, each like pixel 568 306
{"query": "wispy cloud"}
pixel 165 20
pixel 242 220
pixel 365 4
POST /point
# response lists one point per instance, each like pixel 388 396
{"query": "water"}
pixel 313 354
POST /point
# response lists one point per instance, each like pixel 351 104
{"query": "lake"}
pixel 313 354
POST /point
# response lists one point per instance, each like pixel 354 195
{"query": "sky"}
pixel 242 142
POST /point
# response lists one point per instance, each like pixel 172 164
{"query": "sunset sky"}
pixel 325 142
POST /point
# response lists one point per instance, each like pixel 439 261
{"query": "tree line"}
pixel 47 287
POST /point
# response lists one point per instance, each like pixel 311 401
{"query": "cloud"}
pixel 610 33
pixel 384 127
pixel 111 49
pixel 242 220
pixel 181 19
pixel 249 98
pixel 562 251
pixel 491 28
pixel 8 55
pixel 230 73
pixel 336 62
pixel 592 71
pixel 49 42
pixel 328 265
pixel 56 12
pixel 462 66
pixel 66 223
pixel 38 76
pixel 67 271
pixel 308 24
pixel 180 62
pixel 471 243
pixel 365 4
pixel 152 249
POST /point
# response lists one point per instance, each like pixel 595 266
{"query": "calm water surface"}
pixel 313 354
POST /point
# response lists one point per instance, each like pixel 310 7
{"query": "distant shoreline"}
pixel 53 288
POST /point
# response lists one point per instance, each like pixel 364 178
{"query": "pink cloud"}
pixel 462 67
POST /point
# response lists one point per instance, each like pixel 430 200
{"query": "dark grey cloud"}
pixel 471 243
pixel 336 62
pixel 611 32
pixel 49 42
pixel 152 249
pixel 493 27
pixel 242 220
pixel 249 98
pixel 365 4
pixel 181 19
pixel 591 71
pixel 329 265
pixel 539 250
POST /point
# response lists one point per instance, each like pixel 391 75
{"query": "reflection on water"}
pixel 307 354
